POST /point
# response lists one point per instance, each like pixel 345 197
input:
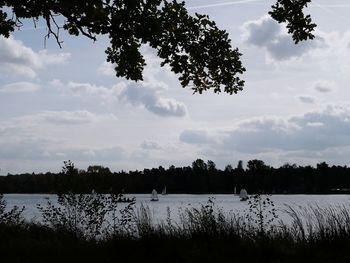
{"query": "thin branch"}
pixel 85 33
pixel 48 19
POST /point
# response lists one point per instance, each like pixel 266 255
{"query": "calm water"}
pixel 179 202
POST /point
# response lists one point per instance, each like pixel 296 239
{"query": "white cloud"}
pixel 106 69
pixel 64 118
pixel 141 94
pixel 153 73
pixel 46 58
pixel 147 93
pixel 268 34
pixel 18 87
pixel 315 124
pixel 104 94
pixel 237 2
pixel 150 98
pixel 18 59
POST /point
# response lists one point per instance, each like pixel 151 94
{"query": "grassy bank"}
pixel 77 231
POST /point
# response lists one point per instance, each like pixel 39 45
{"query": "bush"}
pixel 10 217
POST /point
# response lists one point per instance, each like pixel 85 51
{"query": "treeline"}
pixel 200 177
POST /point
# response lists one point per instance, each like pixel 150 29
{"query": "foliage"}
pixel 98 169
pixel 262 213
pixel 287 179
pixel 199 165
pixel 256 165
pixel 122 221
pixel 81 214
pixel 91 215
pixel 291 12
pixel 68 168
pixel 193 46
pixel 240 165
pixel 211 166
pixel 10 217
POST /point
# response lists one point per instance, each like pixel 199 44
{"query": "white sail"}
pixel 154 195
pixel 164 191
pixel 243 194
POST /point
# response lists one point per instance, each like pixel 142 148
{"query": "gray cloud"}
pixel 268 34
pixel 27 148
pixel 30 137
pixel 19 87
pixel 64 118
pixel 87 154
pixel 323 86
pixel 17 59
pixel 311 132
pixel 41 149
pixel 335 155
pixel 195 137
pixel 30 142
pixel 307 99
pixel 150 145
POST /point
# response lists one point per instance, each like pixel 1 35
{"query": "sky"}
pixel 59 104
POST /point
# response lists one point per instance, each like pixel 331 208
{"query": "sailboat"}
pixel 164 191
pixel 154 195
pixel 243 195
pixel 235 190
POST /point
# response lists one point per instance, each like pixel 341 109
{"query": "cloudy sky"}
pixel 59 104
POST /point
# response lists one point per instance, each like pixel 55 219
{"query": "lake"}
pixel 179 202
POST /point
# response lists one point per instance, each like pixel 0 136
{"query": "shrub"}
pixel 262 214
pixel 10 217
pixel 81 214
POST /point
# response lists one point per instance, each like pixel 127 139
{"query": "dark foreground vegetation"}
pixel 201 177
pixel 94 228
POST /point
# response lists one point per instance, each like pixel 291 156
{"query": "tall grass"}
pixel 316 223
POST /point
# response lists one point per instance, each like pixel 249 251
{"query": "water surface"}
pixel 229 203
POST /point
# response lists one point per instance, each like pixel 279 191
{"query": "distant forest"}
pixel 200 178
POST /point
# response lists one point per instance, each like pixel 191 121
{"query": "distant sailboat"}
pixel 154 195
pixel 235 190
pixel 164 191
pixel 243 195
